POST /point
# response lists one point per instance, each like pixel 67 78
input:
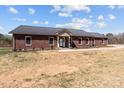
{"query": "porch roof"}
pixel 35 30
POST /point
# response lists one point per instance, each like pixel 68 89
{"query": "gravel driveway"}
pixel 110 47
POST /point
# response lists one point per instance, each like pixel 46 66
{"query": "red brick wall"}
pixel 42 42
pixel 98 42
pixel 38 41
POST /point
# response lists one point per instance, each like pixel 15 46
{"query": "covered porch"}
pixel 64 39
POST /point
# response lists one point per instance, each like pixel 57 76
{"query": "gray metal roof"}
pixel 35 30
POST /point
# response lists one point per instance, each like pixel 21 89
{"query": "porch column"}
pixel 57 41
pixel 69 42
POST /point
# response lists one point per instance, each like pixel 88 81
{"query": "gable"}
pixel 64 34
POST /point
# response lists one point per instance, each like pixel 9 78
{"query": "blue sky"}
pixel 102 19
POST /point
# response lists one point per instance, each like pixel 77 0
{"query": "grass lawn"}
pixel 4 51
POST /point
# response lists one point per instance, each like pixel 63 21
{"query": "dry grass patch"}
pixel 63 69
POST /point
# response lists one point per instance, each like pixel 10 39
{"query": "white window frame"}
pixel 81 41
pixel 94 41
pixel 88 41
pixel 30 41
pixel 49 41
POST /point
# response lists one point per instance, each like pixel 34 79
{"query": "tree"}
pixel 120 38
pixel 111 38
pixel 5 40
pixel 115 39
pixel 1 35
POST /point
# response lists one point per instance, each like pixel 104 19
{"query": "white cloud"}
pixel 55 8
pixel 101 25
pixel 13 10
pixel 46 22
pixel 35 22
pixel 115 6
pixel 111 6
pixel 112 17
pixel 69 25
pixel 90 16
pixel 121 6
pixel 31 11
pixel 1 28
pixel 20 19
pixel 87 29
pixel 40 22
pixel 100 17
pixel 77 23
pixel 84 22
pixel 77 8
pixel 67 10
pixel 64 14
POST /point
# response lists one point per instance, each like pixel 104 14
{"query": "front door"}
pixel 62 42
pixel 66 42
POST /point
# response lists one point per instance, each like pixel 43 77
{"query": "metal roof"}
pixel 35 30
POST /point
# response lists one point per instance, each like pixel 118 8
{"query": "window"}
pixel 28 40
pixel 87 41
pixel 80 41
pixel 51 40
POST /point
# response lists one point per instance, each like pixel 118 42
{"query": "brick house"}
pixel 35 38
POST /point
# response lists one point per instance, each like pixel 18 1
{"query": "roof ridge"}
pixel 51 27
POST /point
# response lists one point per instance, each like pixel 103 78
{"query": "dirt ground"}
pixel 101 68
pixel 108 47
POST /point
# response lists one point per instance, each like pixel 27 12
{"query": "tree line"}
pixel 5 40
pixel 115 39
